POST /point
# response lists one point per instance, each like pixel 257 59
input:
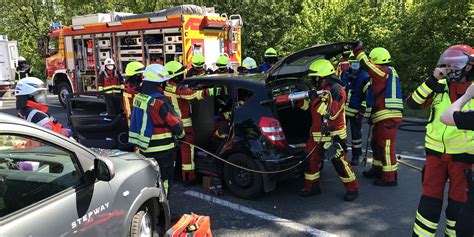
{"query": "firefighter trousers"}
pixel 343 168
pixel 437 170
pixel 383 146
pixel 187 156
pixel 166 163
pixel 356 135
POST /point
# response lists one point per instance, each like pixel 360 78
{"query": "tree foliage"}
pixel 415 32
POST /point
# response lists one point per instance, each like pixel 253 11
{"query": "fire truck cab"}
pixel 75 54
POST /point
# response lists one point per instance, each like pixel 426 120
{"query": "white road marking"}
pixel 262 215
pixel 402 156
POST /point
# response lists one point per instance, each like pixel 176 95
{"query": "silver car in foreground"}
pixel 53 186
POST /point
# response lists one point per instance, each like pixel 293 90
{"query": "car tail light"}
pixel 272 131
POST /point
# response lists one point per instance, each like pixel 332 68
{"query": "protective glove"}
pixel 432 83
pixel 313 94
pixel 217 91
pixel 333 150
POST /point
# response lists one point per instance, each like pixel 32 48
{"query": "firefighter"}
pixel 23 69
pixel 154 124
pixel 222 65
pixel 110 80
pixel 249 65
pixel 449 150
pixel 30 93
pixel 328 130
pixel 386 113
pixel 134 73
pixel 198 66
pixel 343 62
pixel 357 83
pixel 454 116
pixel 270 58
pixel 180 96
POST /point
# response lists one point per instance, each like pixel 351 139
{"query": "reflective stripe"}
pixel 126 102
pixel 424 90
pixel 44 121
pixel 450 228
pixel 337 114
pixel 31 115
pixel 417 98
pixel 188 167
pixel 159 148
pixel 357 146
pixel 161 136
pixel 389 167
pixel 377 163
pixel 363 56
pixel 187 122
pixel 341 133
pixel 166 186
pixel 322 109
pixel 305 105
pixel 349 172
pixel 426 222
pixel 385 114
pixel 421 232
pixel 309 176
pixel 356 141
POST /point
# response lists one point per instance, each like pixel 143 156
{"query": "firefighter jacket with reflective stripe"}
pixel 357 86
pixel 110 82
pixel 441 138
pixel 386 90
pixel 336 124
pixel 37 114
pixel 180 95
pixel 154 123
pixel 129 92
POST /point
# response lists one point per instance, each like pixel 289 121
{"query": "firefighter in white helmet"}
pixel 30 93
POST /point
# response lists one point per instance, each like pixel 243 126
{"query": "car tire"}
pixel 64 89
pixel 142 224
pixel 240 182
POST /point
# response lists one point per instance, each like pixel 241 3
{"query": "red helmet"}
pixel 456 58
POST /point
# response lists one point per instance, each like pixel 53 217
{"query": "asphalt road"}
pixel 379 211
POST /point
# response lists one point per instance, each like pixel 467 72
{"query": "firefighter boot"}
pixel 350 196
pixel 381 182
pixel 373 173
pixel 315 190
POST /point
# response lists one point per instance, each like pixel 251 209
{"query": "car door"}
pixel 47 187
pixel 97 120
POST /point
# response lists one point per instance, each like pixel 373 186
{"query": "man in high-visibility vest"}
pixel 386 113
pixel 180 95
pixel 449 150
pixel 249 65
pixel 357 83
pixel 198 66
pixel 133 81
pixel 154 124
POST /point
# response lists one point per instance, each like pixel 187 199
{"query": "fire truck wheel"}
pixel 63 91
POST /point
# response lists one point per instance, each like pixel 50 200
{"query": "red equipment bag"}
pixel 191 225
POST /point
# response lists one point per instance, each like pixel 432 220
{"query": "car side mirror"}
pixel 104 169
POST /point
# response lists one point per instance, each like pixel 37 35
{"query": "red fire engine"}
pixel 75 54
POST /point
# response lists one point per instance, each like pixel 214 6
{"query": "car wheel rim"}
pixel 63 94
pixel 243 178
pixel 145 226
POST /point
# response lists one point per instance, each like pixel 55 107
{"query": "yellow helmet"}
pixel 270 52
pixel 156 73
pixel 198 61
pixel 222 62
pixel 134 68
pixel 174 68
pixel 380 55
pixel 321 68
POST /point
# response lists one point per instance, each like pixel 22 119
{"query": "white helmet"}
pixel 29 86
pixel 21 59
pixel 156 73
pixel 109 61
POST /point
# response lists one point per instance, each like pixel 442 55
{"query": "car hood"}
pixel 117 154
pixel 296 65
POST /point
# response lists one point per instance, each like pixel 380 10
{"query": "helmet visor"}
pixel 453 59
